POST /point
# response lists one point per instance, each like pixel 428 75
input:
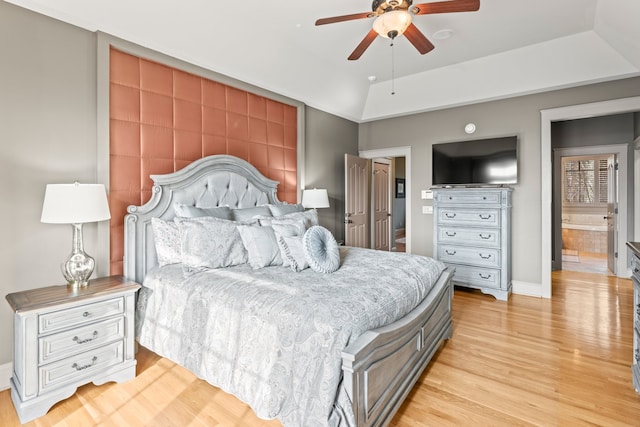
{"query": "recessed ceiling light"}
pixel 372 78
pixel 470 128
pixel 442 34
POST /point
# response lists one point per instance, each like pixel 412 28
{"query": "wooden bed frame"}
pixel 382 365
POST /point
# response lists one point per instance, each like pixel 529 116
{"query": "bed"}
pixel 308 347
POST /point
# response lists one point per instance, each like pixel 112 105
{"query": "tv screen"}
pixel 490 161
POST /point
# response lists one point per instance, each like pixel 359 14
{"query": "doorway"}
pixel 396 153
pixel 624 105
pixel 588 201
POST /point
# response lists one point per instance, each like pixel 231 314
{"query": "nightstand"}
pixel 65 338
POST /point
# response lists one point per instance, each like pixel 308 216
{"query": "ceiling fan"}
pixel 393 18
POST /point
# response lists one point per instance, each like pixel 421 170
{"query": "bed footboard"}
pixel 382 365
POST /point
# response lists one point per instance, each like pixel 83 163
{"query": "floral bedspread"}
pixel 273 337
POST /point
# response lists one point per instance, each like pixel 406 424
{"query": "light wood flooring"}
pixel 525 362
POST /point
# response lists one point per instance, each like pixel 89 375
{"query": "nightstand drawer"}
pixel 483 277
pixel 83 314
pixel 71 369
pixel 469 217
pixel 469 236
pixel 482 257
pixel 67 343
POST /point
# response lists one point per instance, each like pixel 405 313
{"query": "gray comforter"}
pixel 273 337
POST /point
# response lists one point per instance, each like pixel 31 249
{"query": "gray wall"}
pixel 515 116
pixel 327 139
pixel 48 134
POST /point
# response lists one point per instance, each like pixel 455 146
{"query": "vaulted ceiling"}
pixel 507 48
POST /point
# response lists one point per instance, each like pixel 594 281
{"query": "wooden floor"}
pixel 526 362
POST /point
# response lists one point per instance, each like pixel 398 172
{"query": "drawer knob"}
pixel 488 256
pixel 485 236
pixel 484 276
pixel 485 217
pixel 86 314
pixel 450 234
pixel 450 252
pixel 450 215
pixel 91 338
pixel 80 368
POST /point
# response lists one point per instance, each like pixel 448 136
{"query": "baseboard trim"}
pixel 5 375
pixel 526 288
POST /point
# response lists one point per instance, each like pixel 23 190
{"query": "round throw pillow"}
pixel 321 249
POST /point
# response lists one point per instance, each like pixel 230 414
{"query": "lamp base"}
pixel 79 266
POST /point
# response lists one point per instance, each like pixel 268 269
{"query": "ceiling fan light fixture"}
pixel 392 24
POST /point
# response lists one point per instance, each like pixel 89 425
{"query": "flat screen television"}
pixel 478 162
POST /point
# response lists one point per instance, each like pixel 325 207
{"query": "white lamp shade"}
pixel 316 198
pixel 74 204
pixel 395 20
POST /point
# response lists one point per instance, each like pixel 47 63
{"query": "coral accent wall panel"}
pixel 162 119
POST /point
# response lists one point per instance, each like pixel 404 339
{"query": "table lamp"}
pixel 75 204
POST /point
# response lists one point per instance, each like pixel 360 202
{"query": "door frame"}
pixel 398 152
pixel 581 111
pixel 619 150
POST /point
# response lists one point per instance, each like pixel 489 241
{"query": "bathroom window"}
pixel 585 181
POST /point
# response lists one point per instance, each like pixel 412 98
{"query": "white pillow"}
pixel 246 214
pixel 166 239
pixel 209 242
pixel 285 208
pixel 310 217
pixel 321 250
pixel 261 245
pixel 186 211
pixel 288 228
pixel 291 250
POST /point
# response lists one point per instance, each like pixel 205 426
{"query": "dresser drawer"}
pixel 65 344
pixel 480 198
pixel 482 277
pixel 469 217
pixel 73 369
pixel 482 257
pixel 76 316
pixel 469 236
pixel 635 268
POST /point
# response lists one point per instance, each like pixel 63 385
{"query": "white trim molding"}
pixel 6 371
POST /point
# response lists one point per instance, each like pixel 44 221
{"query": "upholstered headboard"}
pixel 219 180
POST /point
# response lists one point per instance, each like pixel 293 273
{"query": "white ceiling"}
pixel 507 48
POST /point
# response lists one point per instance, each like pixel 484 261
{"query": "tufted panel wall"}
pixel 162 119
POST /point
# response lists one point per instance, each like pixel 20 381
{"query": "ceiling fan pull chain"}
pixel 393 74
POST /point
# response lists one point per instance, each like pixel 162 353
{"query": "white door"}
pixel 612 213
pixel 356 215
pixel 381 206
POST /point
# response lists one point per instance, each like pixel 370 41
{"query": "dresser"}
pixel 472 233
pixel 635 278
pixel 64 338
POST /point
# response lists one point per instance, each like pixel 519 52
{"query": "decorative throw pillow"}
pixel 246 214
pixel 321 250
pixel 279 210
pixel 291 250
pixel 261 245
pixel 166 239
pixel 286 228
pixel 310 217
pixel 209 242
pixel 186 211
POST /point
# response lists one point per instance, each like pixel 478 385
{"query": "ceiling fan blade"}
pixel 343 18
pixel 364 44
pixel 446 7
pixel 418 40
